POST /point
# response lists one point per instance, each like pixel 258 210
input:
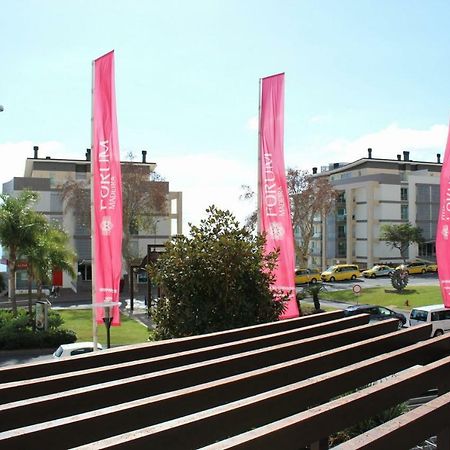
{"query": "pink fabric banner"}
pixel 107 190
pixel 443 229
pixel 274 209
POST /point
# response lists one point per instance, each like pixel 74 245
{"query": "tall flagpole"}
pixel 94 320
pixel 258 212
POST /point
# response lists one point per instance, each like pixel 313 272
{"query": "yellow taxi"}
pixel 341 272
pixel 414 267
pixel 379 270
pixel 432 268
pixel 303 276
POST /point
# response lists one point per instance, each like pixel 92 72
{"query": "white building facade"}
pixel 373 192
pixel 46 176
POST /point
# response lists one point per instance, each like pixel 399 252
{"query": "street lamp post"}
pixel 107 319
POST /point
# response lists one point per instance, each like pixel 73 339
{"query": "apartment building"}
pixel 372 192
pixel 46 176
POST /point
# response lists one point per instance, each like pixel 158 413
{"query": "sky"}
pixel 358 74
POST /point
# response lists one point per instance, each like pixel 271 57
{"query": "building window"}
pixel 342 231
pixel 342 249
pixel 404 194
pixel 341 214
pixel 85 271
pixel 341 197
pixel 404 212
pixel 427 250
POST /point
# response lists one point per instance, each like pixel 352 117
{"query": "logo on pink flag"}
pixel 107 190
pixel 274 210
pixel 442 232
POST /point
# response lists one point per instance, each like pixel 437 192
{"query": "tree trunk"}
pixel 12 285
pixel 404 253
pixel 30 295
pixel 316 301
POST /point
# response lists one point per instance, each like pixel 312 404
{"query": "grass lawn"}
pixel 80 321
pixel 409 298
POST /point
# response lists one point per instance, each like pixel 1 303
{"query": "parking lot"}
pixel 427 279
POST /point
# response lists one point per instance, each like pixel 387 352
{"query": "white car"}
pixel 77 348
pixel 438 315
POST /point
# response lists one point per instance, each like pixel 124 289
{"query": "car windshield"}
pixel 330 269
pixel 59 351
pixel 417 314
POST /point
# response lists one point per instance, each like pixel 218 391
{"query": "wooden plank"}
pixel 24 389
pixel 76 428
pixel 408 430
pixel 153 349
pixel 300 429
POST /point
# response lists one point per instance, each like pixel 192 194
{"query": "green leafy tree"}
pixel 33 248
pixel 401 236
pixel 51 251
pixel 19 227
pixel 218 278
pixel 314 290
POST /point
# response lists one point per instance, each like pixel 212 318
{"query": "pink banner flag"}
pixel 443 229
pixel 274 209
pixel 107 190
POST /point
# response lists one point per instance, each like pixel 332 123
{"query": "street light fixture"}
pixel 1 108
pixel 107 319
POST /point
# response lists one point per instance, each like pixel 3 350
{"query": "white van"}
pixel 437 315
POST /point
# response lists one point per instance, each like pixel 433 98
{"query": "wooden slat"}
pixel 269 406
pixel 306 427
pixel 407 430
pixel 47 385
pixel 155 349
pixel 290 432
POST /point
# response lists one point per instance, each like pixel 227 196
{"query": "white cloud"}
pixel 208 179
pixel 215 178
pixel 423 145
pixel 16 153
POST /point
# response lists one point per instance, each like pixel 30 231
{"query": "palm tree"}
pixel 50 252
pixel 19 228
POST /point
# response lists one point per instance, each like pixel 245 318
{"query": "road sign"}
pixel 357 289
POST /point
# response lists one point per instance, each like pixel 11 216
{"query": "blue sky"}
pixel 358 74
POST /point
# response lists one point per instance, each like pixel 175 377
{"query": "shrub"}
pixel 17 332
pixel 219 278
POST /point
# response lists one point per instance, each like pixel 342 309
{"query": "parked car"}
pixel 77 348
pixel 438 315
pixel 376 313
pixel 303 276
pixel 377 271
pixel 414 267
pixel 432 268
pixel 341 272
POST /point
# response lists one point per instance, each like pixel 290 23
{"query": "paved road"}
pixel 428 279
pixel 13 357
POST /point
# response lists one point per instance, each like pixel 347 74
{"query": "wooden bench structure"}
pixel 284 385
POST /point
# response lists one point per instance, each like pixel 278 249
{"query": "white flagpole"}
pixel 258 187
pixel 94 312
